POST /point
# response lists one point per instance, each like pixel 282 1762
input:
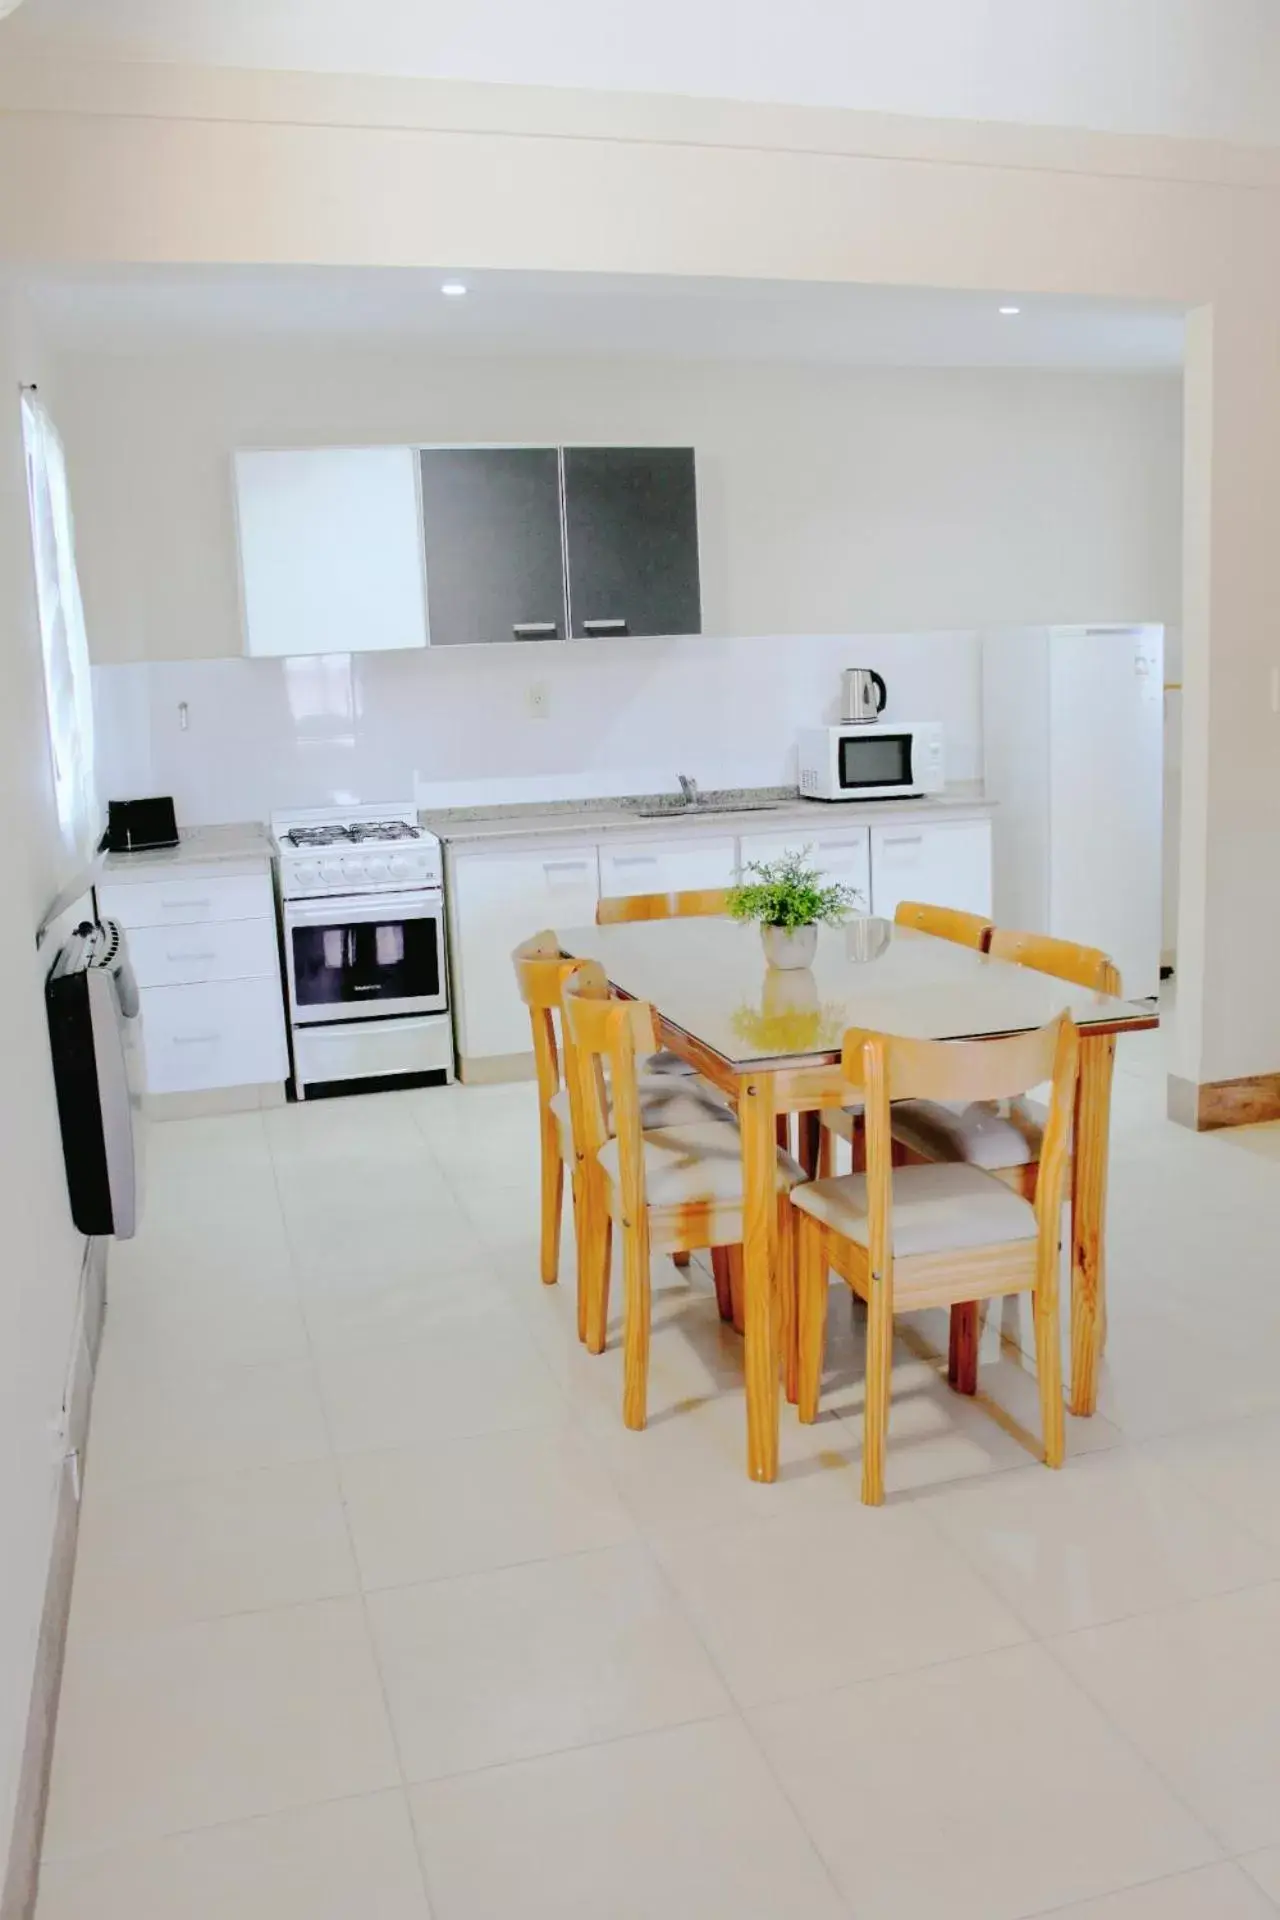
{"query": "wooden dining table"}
pixel 771 1039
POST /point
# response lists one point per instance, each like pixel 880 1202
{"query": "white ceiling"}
pixel 1200 68
pixel 547 313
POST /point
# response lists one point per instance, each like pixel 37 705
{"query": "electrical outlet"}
pixel 537 700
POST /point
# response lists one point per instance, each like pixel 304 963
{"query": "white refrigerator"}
pixel 1073 748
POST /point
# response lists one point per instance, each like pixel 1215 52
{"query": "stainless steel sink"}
pixel 705 807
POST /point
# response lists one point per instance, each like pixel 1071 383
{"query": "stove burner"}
pixel 382 830
pixel 316 836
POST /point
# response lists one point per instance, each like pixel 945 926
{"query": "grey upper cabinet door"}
pixel 495 569
pixel 631 521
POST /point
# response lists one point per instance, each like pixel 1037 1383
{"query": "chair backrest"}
pixel 1083 966
pixel 885 1067
pixel 597 1030
pixel 700 902
pixel 945 923
pixel 541 971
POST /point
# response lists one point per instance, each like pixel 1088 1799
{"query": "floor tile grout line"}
pixel 1139 1886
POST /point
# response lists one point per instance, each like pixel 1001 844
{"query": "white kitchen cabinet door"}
pixel 495 902
pixel 842 855
pixel 222 1033
pixel 331 550
pixel 945 864
pixel 665 866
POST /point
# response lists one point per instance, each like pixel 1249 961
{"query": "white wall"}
pixel 830 501
pixel 1202 67
pixel 40 1271
pixel 846 518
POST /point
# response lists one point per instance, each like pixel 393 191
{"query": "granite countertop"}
pixel 246 840
pixel 460 827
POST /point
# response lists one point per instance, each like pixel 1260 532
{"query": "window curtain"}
pixel 68 686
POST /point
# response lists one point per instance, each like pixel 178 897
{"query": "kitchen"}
pixel 1042 472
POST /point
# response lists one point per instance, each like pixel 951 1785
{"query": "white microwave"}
pixel 871 760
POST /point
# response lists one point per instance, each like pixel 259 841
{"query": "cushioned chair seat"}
pixel 936 1209
pixel 686 1166
pixel 666 1100
pixel 986 1133
pixel 664 1061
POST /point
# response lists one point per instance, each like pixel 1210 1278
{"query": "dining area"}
pixel 693 1098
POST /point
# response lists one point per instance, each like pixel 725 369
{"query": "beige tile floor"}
pixel 380 1614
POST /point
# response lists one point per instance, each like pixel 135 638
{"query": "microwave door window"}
pixel 363 963
pixel 876 760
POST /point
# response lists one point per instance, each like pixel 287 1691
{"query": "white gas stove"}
pixel 362 906
pixel 355 850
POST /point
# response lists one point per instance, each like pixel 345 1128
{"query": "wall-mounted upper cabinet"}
pixel 331 550
pixel 495 564
pixel 631 528
pixel 546 543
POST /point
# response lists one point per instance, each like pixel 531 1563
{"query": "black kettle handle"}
pixel 881 691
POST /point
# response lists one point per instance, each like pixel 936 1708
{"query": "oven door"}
pixel 876 762
pixel 365 957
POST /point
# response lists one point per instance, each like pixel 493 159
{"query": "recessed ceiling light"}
pixel 453 289
pixel 1007 311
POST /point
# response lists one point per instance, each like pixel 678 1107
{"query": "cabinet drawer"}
pixel 842 855
pixel 224 1033
pixel 664 866
pixel 184 901
pixel 218 950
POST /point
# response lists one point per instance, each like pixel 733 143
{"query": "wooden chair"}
pixel 912 1237
pixel 541 973
pixel 944 923
pixel 694 903
pixel 668 1188
pixel 1005 1137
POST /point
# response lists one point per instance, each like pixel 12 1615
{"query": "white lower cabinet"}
pixel 842 855
pixel 665 866
pixel 946 863
pixel 496 900
pixel 204 949
pixel 220 1033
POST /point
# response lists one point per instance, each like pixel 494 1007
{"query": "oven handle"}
pixel 364 909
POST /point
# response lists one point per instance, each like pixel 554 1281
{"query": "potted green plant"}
pixel 789 901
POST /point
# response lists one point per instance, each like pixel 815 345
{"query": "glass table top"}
pixel 708 976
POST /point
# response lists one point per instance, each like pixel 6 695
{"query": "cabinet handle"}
pixel 634 859
pixel 168 904
pixel 190 956
pixel 196 1039
pixel 836 846
pixel 604 626
pixel 565 866
pixel 903 839
pixel 534 629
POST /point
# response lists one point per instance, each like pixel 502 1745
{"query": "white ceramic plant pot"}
pixel 788 947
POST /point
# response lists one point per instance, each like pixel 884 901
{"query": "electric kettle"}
pixel 864 695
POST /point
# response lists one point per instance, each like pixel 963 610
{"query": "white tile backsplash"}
pixel 454 727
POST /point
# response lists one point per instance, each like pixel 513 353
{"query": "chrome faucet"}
pixel 689 788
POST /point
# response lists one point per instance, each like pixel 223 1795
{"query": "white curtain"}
pixel 68 687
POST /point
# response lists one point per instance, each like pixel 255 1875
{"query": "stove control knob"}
pixel 377 866
pixel 330 870
pixel 307 873
pixel 401 867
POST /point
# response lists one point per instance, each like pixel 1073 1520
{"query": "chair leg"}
pixel 724 1287
pixel 811 1314
pixel 962 1362
pixel 826 1154
pixel 737 1295
pixel 681 1258
pixel 879 1371
pixel 1049 1370
pixel 635 1354
pixel 809 1132
pixel 597 1259
pixel 552 1210
pixel 788 1310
